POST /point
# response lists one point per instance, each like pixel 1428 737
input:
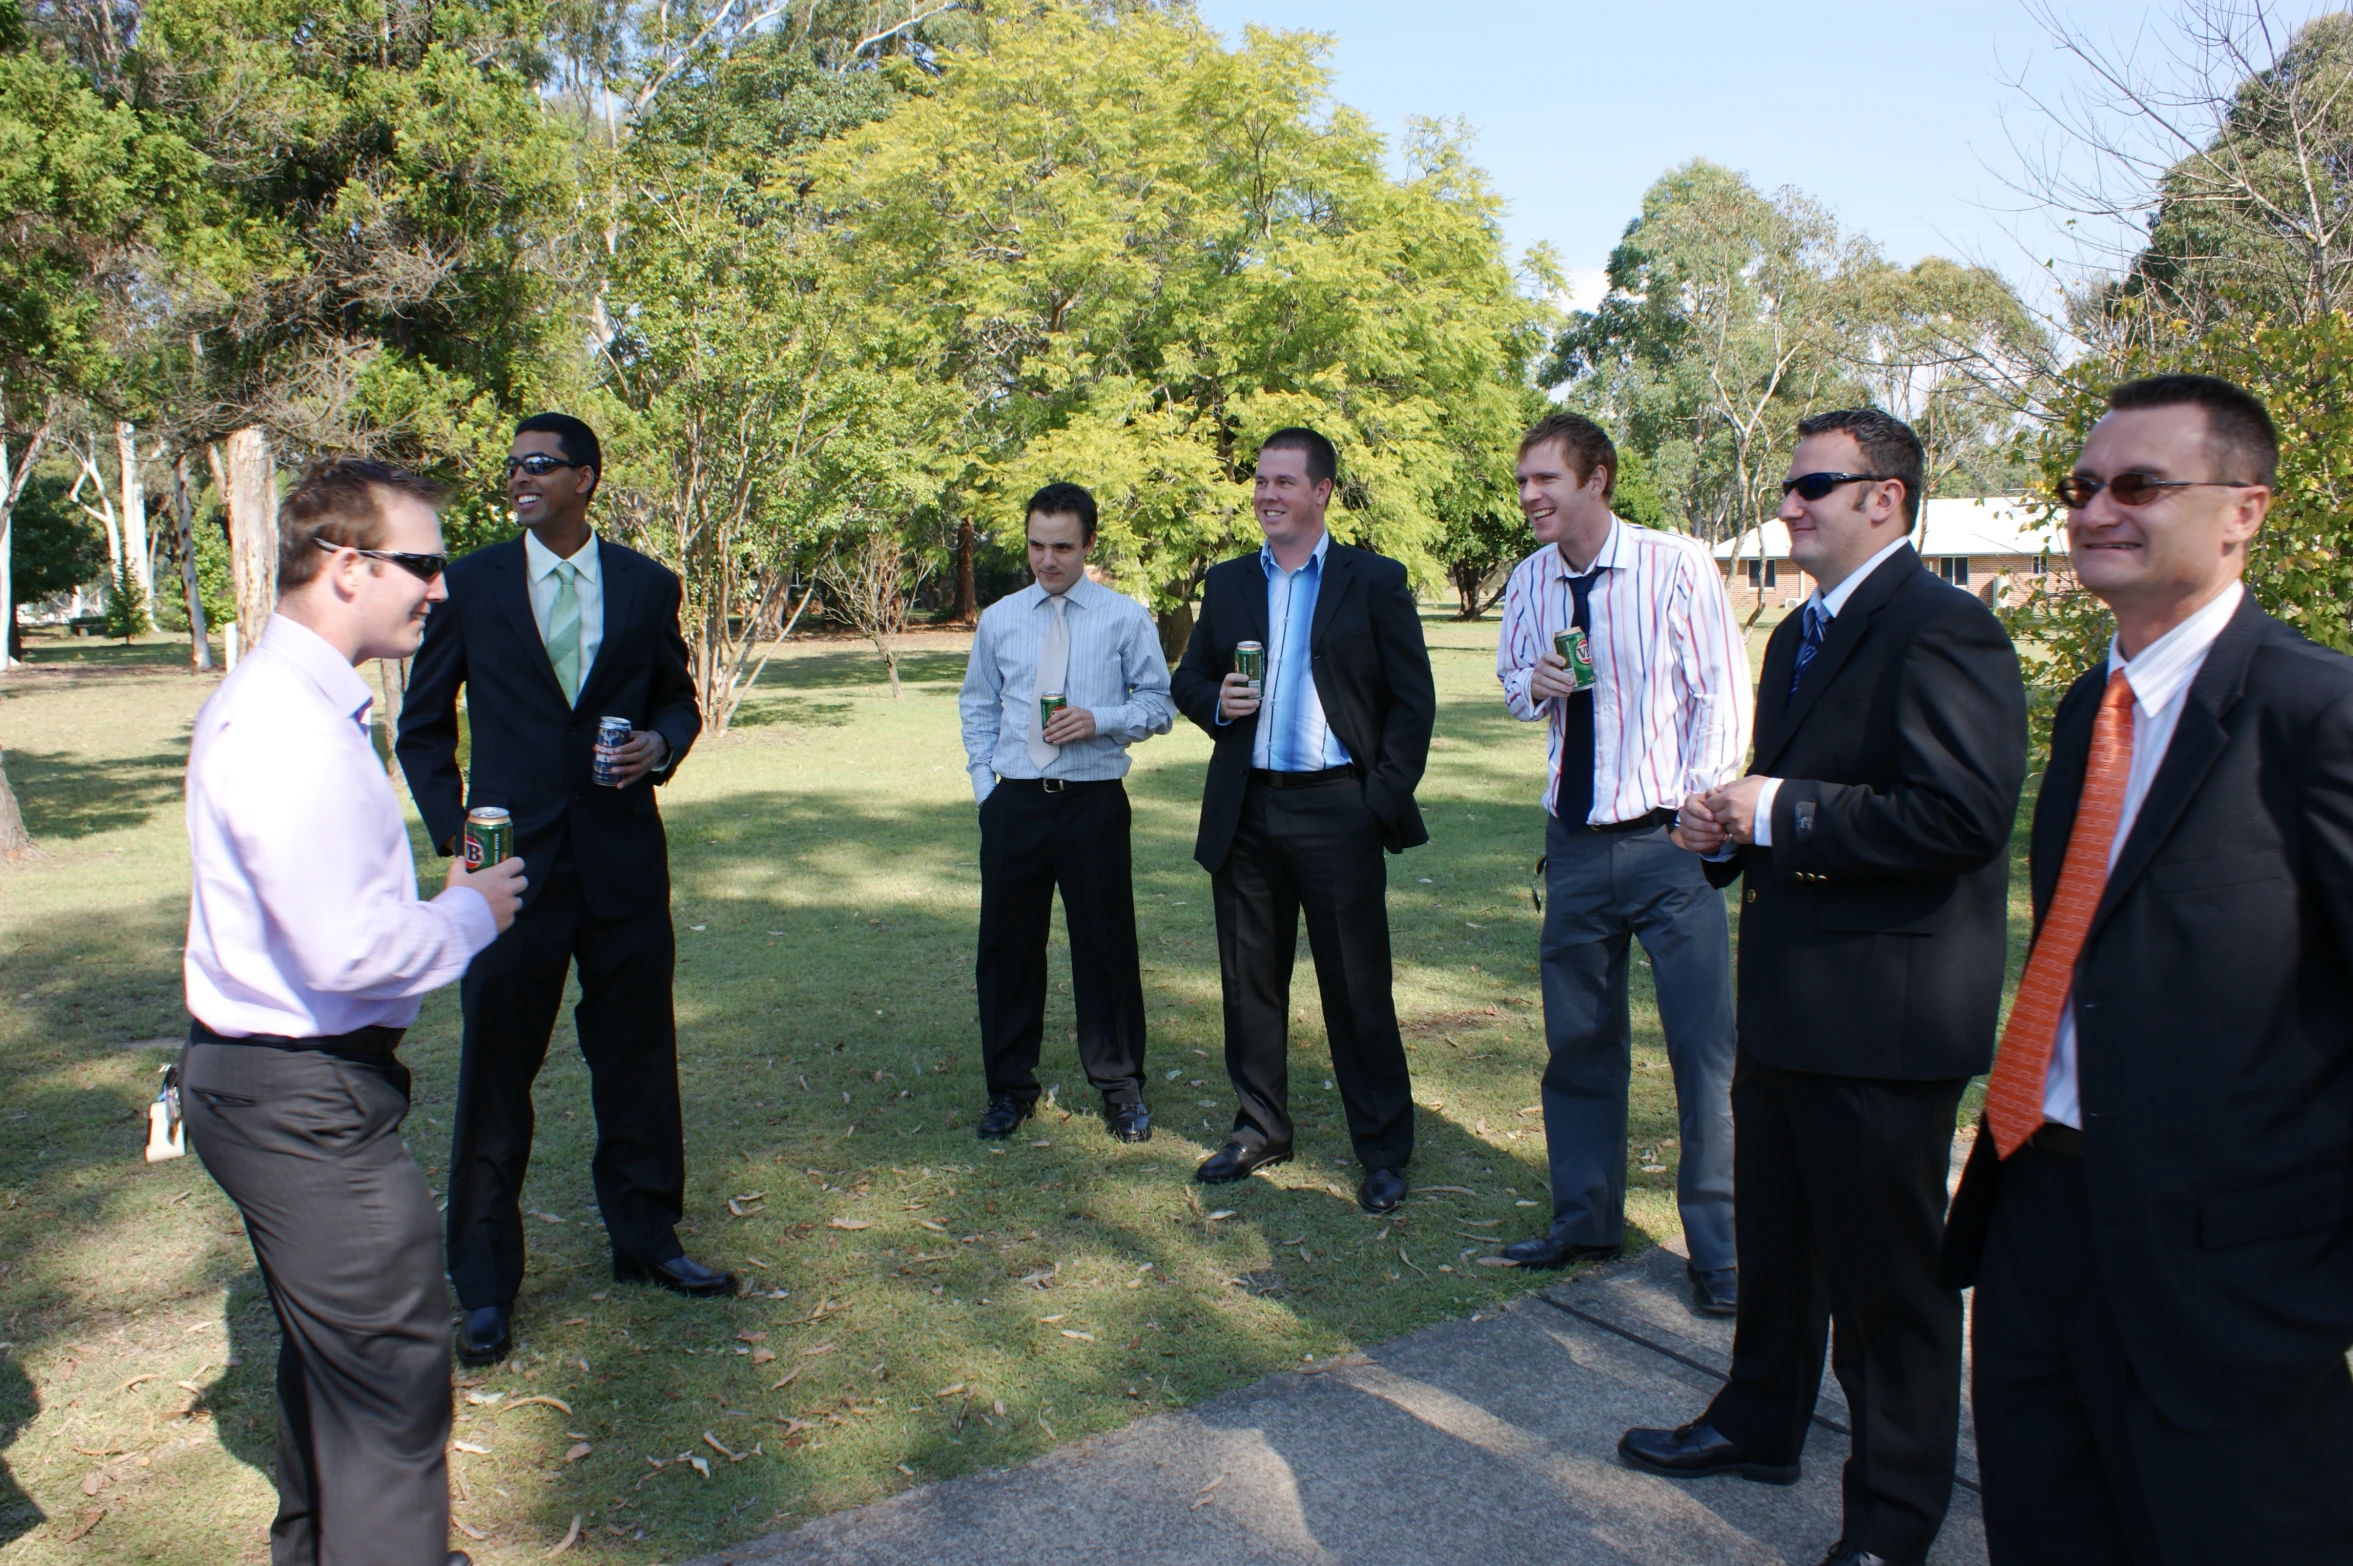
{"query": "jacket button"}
pixel 1751 897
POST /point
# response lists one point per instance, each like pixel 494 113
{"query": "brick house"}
pixel 1993 545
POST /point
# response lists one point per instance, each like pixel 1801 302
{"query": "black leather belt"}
pixel 1057 785
pixel 1304 779
pixel 374 1041
pixel 1661 817
pixel 2054 1138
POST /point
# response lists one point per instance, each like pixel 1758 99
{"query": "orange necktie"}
pixel 2014 1098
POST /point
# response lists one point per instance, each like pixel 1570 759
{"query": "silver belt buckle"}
pixel 1052 785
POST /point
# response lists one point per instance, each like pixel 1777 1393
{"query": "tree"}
pixel 126 602
pixel 58 547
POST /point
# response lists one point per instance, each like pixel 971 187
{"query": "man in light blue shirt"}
pixel 1054 814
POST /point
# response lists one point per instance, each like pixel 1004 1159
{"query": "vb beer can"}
pixel 1049 704
pixel 490 837
pixel 1574 652
pixel 1250 662
pixel 611 735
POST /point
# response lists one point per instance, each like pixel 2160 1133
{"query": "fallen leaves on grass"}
pixel 526 1402
pixel 577 1451
pixel 743 1206
pixel 90 1520
pixel 950 1390
pixel 1458 1190
pixel 135 1380
pixel 467 1528
pixel 1201 1496
pixel 847 1223
pixel 571 1537
pixel 1083 1337
pixel 763 1355
pixel 468 1446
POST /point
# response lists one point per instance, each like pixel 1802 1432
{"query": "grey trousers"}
pixel 1601 888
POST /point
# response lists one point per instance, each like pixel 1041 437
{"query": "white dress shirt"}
pixel 2160 677
pixel 1670 676
pixel 1829 603
pixel 1116 672
pixel 303 918
pixel 588 586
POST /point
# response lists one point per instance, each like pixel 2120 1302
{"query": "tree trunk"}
pixel 15 842
pixel 184 532
pixel 1176 629
pixel 967 596
pixel 134 498
pixel 251 489
pixel 890 658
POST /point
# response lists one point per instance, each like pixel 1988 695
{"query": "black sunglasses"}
pixel 2075 491
pixel 539 464
pixel 423 567
pixel 1813 486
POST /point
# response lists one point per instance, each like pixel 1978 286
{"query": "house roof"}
pixel 1986 525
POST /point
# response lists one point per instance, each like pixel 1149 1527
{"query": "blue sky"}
pixel 1891 112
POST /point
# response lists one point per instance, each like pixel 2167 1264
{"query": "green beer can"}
pixel 1049 704
pixel 1250 662
pixel 490 837
pixel 1574 652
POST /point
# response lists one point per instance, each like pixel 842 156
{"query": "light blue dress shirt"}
pixel 1292 734
pixel 1115 671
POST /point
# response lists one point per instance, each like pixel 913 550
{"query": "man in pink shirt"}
pixel 308 949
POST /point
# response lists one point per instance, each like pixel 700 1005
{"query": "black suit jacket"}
pixel 1873 931
pixel 2214 1033
pixel 531 752
pixel 1372 674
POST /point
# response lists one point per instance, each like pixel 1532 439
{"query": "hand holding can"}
pixel 1574 651
pixel 604 764
pixel 1250 662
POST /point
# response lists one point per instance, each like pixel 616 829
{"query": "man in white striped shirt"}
pixel 1666 716
pixel 1054 814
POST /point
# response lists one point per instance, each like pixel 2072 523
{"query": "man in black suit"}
pixel 548 634
pixel 1313 776
pixel 1872 833
pixel 2158 1213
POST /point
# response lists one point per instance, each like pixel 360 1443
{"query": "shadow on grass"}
pixel 148 654
pixel 20 1514
pixel 66 796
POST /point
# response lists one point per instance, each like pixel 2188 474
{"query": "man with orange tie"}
pixel 2158 1214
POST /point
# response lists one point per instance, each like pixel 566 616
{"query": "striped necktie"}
pixel 1817 625
pixel 2014 1096
pixel 563 631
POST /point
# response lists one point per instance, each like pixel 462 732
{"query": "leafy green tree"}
pixel 59 547
pixel 126 602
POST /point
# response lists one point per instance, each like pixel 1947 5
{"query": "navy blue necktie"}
pixel 1817 624
pixel 1573 801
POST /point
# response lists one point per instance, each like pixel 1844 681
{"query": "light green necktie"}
pixel 563 631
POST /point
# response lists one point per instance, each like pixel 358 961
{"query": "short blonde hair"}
pixel 341 501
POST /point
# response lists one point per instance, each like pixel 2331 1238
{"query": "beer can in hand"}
pixel 611 735
pixel 1574 652
pixel 490 837
pixel 1049 704
pixel 1250 662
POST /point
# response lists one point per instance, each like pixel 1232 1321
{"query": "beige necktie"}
pixel 1053 664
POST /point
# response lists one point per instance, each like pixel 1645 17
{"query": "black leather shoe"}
pixel 458 1558
pixel 1129 1122
pixel 1005 1111
pixel 486 1336
pixel 1381 1191
pixel 1843 1554
pixel 680 1275
pixel 1695 1451
pixel 1715 1292
pixel 1543 1252
pixel 1237 1161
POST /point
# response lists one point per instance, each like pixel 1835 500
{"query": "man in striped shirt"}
pixel 1664 717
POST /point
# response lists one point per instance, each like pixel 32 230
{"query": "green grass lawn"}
pixel 925 1305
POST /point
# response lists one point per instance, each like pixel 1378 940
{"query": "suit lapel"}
pixel 1335 577
pixel 618 584
pixel 1250 578
pixel 2198 739
pixel 1846 633
pixel 514 598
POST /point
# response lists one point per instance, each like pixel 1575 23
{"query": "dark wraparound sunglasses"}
pixel 423 567
pixel 1814 486
pixel 539 465
pixel 2075 491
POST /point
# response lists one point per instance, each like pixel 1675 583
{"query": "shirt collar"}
pixel 1835 600
pixel 1079 593
pixel 1611 556
pixel 2172 660
pixel 1323 544
pixel 542 559
pixel 326 668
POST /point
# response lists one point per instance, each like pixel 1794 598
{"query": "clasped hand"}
pixel 1706 823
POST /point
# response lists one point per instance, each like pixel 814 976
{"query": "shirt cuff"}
pixel 476 925
pixel 1764 822
pixel 984 783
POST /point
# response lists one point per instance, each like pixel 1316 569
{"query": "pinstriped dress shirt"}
pixel 1116 672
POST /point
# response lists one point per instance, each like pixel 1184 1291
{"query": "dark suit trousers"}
pixel 2079 1466
pixel 628 1036
pixel 1314 850
pixel 1841 1213
pixel 307 1144
pixel 1031 844
pixel 1602 890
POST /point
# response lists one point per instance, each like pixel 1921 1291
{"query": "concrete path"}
pixel 1491 1441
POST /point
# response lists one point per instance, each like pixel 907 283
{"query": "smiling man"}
pixel 549 635
pixel 1054 814
pixel 1660 714
pixel 1872 836
pixel 2158 1213
pixel 1312 777
pixel 307 953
